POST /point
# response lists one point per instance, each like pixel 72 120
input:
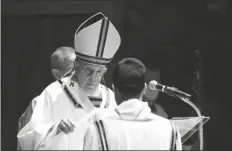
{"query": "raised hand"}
pixel 66 126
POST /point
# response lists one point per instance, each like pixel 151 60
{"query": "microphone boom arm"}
pixel 186 100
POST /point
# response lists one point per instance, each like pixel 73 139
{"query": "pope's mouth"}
pixel 90 85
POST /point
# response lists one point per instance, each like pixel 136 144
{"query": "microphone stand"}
pixel 186 100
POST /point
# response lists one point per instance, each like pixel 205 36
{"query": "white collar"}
pixel 133 109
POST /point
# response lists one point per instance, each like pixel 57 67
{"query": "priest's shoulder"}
pixel 56 86
pixel 101 113
pixel 157 118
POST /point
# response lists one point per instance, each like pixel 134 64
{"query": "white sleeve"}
pixel 178 141
pixel 26 116
pixel 176 137
pixel 39 126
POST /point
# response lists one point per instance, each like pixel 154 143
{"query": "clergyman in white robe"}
pixel 96 41
pixel 131 126
pixel 56 103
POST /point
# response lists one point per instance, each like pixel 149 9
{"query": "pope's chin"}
pixel 90 88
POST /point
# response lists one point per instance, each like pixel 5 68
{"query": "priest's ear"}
pixel 144 89
pixel 56 73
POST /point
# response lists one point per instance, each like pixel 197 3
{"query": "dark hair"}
pixel 129 76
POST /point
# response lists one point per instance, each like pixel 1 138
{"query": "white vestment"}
pixel 131 126
pixel 26 116
pixel 56 103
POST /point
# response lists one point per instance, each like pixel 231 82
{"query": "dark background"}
pixel 163 34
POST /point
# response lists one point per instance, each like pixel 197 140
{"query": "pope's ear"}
pixel 105 69
pixel 56 74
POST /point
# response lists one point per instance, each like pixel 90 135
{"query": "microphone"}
pixel 153 85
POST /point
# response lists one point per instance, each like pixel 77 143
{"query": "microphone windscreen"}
pixel 152 84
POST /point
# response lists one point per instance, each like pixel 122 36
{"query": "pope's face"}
pixel 89 77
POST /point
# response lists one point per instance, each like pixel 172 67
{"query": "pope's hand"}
pixel 66 126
